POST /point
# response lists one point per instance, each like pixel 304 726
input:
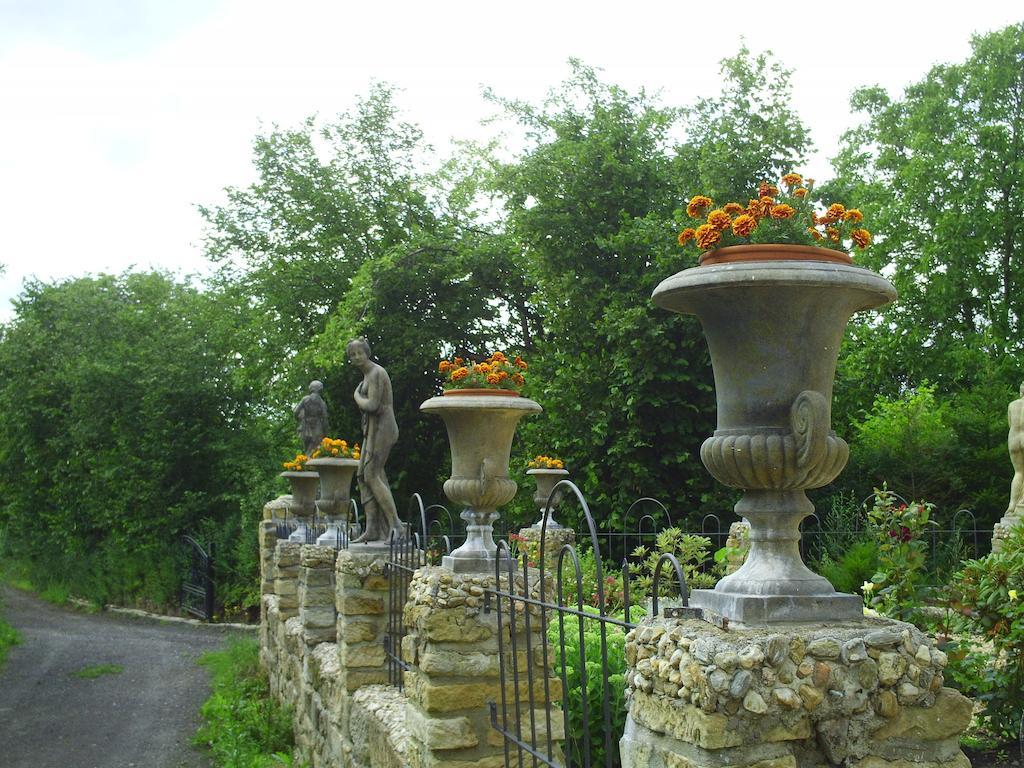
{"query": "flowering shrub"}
pixel 902 553
pixel 989 594
pixel 545 462
pixel 495 372
pixel 779 214
pixel 298 464
pixel 330 448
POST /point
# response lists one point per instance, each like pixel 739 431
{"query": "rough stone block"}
pixel 949 716
pixel 440 732
pixel 684 722
pixel 453 696
pixel 354 631
pixel 352 603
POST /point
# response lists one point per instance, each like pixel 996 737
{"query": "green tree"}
pixel 594 202
pixel 119 431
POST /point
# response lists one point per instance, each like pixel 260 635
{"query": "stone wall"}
pixel 862 695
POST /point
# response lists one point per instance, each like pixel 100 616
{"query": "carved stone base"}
pixel 763 610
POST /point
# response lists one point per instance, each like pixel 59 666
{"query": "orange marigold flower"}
pixel 686 235
pixel 814 233
pixel 459 374
pixel 444 366
pixel 792 179
pixel 853 215
pixel 708 236
pixel 493 378
pixel 861 237
pixel 518 379
pixel 520 363
pixel 698 204
pixel 502 375
pixel 782 211
pixel 733 208
pixel 800 192
pixel 719 219
pixel 482 368
pixel 744 225
pixel 767 190
pixel 499 357
pixel 836 211
pixel 458 361
pixel 832 234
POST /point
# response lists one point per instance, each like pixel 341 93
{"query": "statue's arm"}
pixel 370 402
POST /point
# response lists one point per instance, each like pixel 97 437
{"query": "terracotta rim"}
pixel 482 391
pixel 773 252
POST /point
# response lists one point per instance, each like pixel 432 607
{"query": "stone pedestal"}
pixel 554 540
pixel 859 695
pixel 287 555
pixel 1001 530
pixel 361 598
pixel 316 594
pixel 453 649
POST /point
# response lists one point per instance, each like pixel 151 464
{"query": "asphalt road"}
pixel 144 717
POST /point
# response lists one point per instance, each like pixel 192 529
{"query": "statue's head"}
pixel 316 387
pixel 355 347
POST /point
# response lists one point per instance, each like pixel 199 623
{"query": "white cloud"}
pixel 107 149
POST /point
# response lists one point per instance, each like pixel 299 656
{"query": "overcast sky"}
pixel 119 116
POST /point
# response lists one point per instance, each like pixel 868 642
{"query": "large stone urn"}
pixel 773 329
pixel 302 504
pixel 481 426
pixel 335 495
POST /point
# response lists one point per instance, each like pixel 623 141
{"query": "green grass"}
pixel 8 636
pixel 98 670
pixel 243 726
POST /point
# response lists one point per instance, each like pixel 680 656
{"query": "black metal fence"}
pixel 319 525
pixel 561 654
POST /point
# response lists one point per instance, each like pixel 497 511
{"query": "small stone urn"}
pixel 773 329
pixel 302 505
pixel 335 494
pixel 546 480
pixel 481 426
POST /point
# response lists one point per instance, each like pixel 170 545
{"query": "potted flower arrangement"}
pixel 547 472
pixel 336 461
pixel 773 293
pixel 494 375
pixel 480 431
pixel 303 481
pixel 780 223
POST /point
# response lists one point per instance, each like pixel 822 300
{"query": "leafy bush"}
pixel 902 553
pixel 692 552
pixel 989 594
pixel 587 658
pixel 244 727
pixel 854 567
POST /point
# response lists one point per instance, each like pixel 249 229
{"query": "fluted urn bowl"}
pixel 480 431
pixel 546 480
pixel 302 504
pixel 774 329
pixel 335 493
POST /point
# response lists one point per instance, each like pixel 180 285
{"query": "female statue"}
pixel 380 433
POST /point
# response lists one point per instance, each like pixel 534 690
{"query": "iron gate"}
pixel 197 588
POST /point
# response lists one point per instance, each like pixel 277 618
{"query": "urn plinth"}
pixel 774 329
pixel 480 432
pixel 335 496
pixel 302 505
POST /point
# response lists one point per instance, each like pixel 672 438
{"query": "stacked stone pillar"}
pixel 453 650
pixel 859 695
pixel 316 594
